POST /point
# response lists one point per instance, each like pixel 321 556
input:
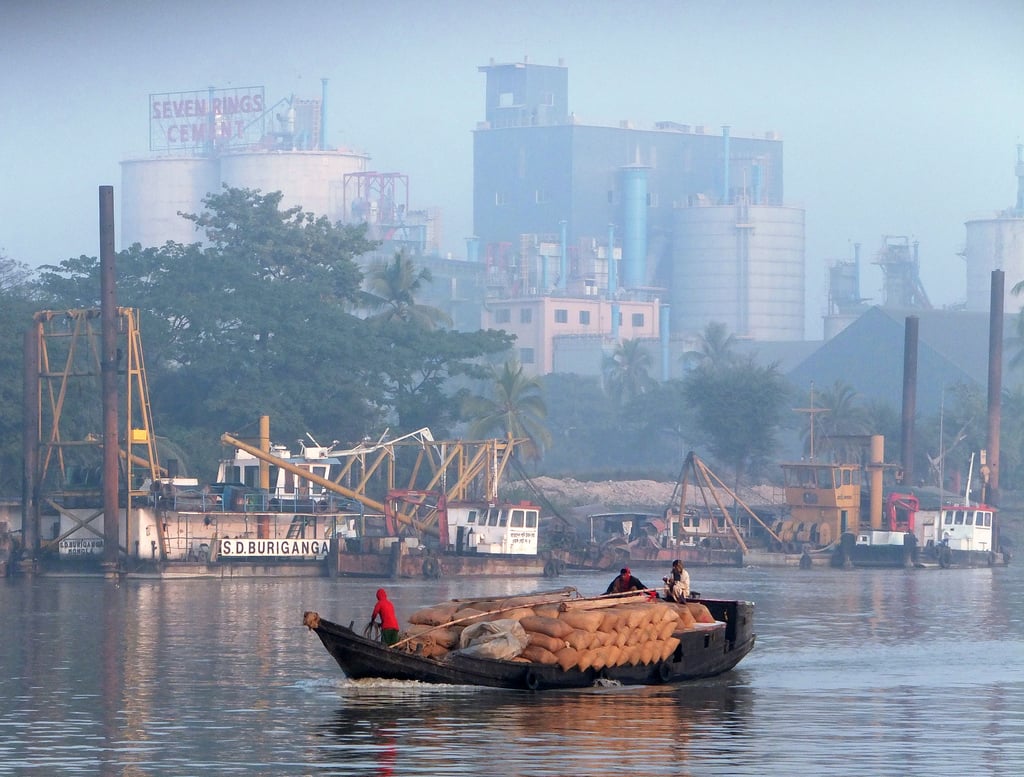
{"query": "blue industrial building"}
pixel 551 193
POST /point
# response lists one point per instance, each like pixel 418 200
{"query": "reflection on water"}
pixel 599 732
pixel 860 672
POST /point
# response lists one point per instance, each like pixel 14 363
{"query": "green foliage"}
pixel 627 371
pixel 392 288
pixel 16 309
pixel 262 321
pixel 738 407
pixel 512 407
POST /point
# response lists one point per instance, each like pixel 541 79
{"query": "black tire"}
pixel 664 671
pixel 531 680
pixel 551 568
pixel 431 569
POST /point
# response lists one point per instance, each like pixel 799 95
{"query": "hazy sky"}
pixel 899 118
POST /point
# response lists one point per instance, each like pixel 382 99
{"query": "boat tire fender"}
pixel 531 680
pixel 991 558
pixel 664 671
pixel 431 569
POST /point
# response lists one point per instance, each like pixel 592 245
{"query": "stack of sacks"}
pixel 581 634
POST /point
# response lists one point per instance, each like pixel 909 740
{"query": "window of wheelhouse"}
pixel 492 517
pixel 502 517
pixel 518 519
pixel 969 518
pixel 531 519
pixel 948 518
pixel 958 518
pixel 471 516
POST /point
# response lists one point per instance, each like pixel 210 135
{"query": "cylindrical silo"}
pixel 633 182
pixel 742 265
pixel 154 190
pixel 994 244
pixel 313 180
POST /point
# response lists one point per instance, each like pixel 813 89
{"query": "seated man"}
pixel 623 582
pixel 677 584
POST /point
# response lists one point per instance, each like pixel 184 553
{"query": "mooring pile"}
pixel 556 628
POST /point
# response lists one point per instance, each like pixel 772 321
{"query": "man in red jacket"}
pixel 385 611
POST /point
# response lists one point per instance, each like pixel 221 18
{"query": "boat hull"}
pixel 705 651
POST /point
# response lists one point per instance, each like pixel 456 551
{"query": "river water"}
pixel 858 672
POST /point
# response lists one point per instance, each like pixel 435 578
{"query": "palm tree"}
pixel 392 288
pixel 836 416
pixel 715 347
pixel 627 371
pixel 514 409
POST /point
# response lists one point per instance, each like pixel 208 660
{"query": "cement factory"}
pixel 584 234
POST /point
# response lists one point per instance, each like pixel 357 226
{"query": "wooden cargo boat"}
pixel 691 651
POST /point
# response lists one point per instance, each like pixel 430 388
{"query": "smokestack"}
pixel 995 387
pixel 909 398
pixel 108 369
pixel 613 277
pixel 323 114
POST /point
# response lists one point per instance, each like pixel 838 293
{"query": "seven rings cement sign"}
pixel 207 120
pixel 239 548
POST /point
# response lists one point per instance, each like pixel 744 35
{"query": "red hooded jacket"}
pixel 386 610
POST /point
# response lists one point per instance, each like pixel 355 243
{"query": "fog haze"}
pixel 895 120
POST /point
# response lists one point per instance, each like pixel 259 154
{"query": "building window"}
pixel 611 196
pixel 506 99
pixel 561 316
pixel 547 98
pixel 525 315
pixel 652 199
pixel 526 356
pixel 638 320
pixel 542 197
pixel 585 317
pixel 500 199
pixel 502 316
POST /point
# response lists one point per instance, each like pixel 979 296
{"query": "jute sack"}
pixel 586 620
pixel 567 658
pixel 549 610
pixel 553 627
pixel 666 629
pixel 539 655
pixel 648 651
pixel 434 616
pixel 516 614
pixel 545 641
pixel 579 639
pixel 700 612
pixel 669 647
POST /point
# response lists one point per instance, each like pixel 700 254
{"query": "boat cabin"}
pixel 494 529
pixel 287 490
pixel 960 527
pixel 824 498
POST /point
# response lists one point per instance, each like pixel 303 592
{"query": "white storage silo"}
pixel 154 190
pixel 994 244
pixel 313 180
pixel 742 265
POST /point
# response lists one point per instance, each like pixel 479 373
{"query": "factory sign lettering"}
pixel 205 121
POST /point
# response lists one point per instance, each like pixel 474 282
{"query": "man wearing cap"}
pixel 625 582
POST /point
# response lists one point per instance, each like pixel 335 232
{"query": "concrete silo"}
pixel 742 265
pixel 997 244
pixel 154 190
pixel 313 180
